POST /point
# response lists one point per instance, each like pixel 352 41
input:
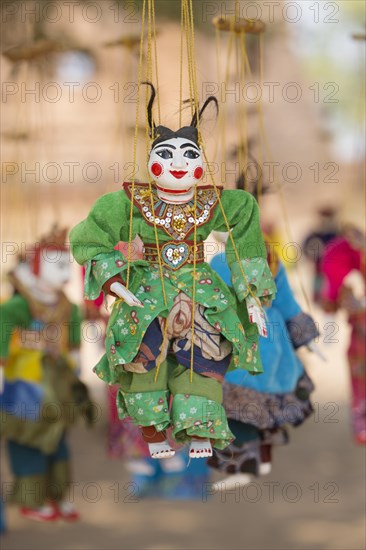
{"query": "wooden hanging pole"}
pixel 239 25
pixel 359 36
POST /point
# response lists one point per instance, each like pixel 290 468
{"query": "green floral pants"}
pixel 169 402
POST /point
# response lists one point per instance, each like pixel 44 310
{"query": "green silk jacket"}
pixel 93 244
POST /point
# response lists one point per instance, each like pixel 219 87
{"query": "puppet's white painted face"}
pixel 176 164
pixel 55 268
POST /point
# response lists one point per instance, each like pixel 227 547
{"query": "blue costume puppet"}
pixel 259 407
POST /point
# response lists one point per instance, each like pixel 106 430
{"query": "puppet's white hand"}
pixel 315 349
pixel 256 316
pixel 126 295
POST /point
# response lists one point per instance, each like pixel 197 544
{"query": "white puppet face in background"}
pixel 176 164
pixel 55 268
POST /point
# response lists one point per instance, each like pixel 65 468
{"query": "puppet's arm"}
pixel 92 244
pixel 250 275
pixel 242 212
pixel 301 327
pixel 14 313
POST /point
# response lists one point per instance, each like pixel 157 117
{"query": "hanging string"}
pixel 190 59
pixel 149 72
pixel 243 107
pixel 263 143
pixel 194 69
pixel 148 77
pixel 279 190
pixel 220 115
pixel 195 96
pixel 227 78
pixel 239 121
pixel 156 58
pixel 241 118
pixel 139 79
pixel 193 84
pixel 182 28
pixel 218 56
pixel 237 257
pixel 194 277
pixel 188 25
pixel 222 118
pixel 242 140
pixel 187 12
pixel 260 122
pixel 193 72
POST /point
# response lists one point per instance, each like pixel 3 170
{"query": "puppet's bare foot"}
pixel 265 468
pixel 161 450
pixel 231 482
pixel 200 448
pixel 157 442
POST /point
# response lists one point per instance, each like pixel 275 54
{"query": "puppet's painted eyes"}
pixel 191 154
pixel 165 154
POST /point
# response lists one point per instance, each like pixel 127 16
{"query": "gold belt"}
pixel 175 254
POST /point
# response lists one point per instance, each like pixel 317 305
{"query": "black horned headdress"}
pixel 162 133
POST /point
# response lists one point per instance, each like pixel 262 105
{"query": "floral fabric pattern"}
pixel 145 408
pixel 99 270
pixel 121 216
pixel 127 325
pixel 193 415
pixel 258 277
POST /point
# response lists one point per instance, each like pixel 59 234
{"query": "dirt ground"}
pixel 314 499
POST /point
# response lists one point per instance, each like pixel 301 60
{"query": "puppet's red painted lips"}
pixel 178 173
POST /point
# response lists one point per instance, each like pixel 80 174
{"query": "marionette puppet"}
pixel 344 256
pixel 175 307
pixel 43 396
pixel 260 408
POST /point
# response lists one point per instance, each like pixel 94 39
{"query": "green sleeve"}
pixel 242 213
pixel 14 313
pixel 75 327
pixel 93 240
pixel 106 225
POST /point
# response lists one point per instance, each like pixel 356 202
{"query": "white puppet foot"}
pixel 161 450
pixel 265 468
pixel 174 465
pixel 200 448
pixel 140 467
pixel 231 482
